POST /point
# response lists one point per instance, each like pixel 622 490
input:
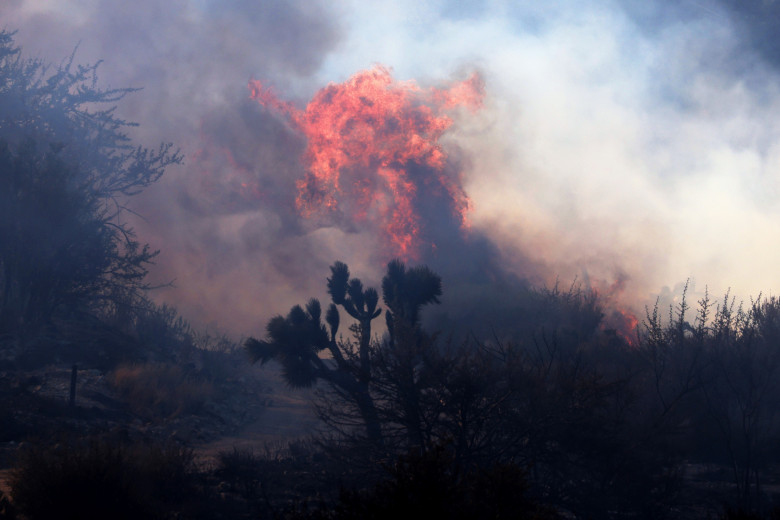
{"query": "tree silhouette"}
pixel 67 167
pixel 741 392
pixel 65 107
pixel 297 340
pixel 715 379
pixel 359 303
pixel 405 360
pixel 57 248
pixel 405 292
pixel 371 386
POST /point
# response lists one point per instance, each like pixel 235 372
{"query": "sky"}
pixel 631 145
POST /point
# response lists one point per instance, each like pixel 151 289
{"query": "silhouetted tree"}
pixel 67 167
pixel 741 390
pixel 58 247
pixel 65 107
pixel 297 340
pixel 370 386
pixel 405 292
pixel 714 380
pixel 404 361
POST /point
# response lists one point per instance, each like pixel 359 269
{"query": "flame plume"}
pixel 373 155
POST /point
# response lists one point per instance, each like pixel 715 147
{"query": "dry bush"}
pixel 739 514
pixel 160 390
pixel 242 470
pixel 434 485
pixel 102 480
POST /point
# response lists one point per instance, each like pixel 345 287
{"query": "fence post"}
pixel 73 373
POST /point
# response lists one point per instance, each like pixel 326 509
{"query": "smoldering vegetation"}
pixel 504 401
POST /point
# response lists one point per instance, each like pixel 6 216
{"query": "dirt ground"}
pixel 255 411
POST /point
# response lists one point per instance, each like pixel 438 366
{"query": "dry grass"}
pixel 160 390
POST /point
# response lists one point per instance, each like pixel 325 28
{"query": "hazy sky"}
pixel 630 143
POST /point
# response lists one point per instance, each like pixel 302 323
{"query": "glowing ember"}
pixel 373 153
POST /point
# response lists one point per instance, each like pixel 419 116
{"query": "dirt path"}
pixel 284 419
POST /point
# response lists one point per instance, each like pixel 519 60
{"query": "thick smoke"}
pixel 375 167
pixel 629 145
pixel 228 250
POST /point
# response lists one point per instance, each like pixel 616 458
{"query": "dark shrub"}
pixel 101 480
pixel 435 485
pixel 241 469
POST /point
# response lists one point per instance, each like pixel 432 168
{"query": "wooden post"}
pixel 73 373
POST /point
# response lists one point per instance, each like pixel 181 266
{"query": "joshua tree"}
pixel 405 292
pixel 353 374
pixel 297 340
pixel 405 359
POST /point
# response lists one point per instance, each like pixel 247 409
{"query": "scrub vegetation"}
pixel 562 418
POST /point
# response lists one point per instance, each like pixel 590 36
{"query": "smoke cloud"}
pixel 630 145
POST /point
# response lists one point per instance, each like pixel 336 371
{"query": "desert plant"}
pixel 241 469
pixel 160 390
pixel 101 479
pixel 66 169
pixel 434 485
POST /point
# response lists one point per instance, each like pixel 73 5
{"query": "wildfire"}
pixel 622 321
pixel 373 154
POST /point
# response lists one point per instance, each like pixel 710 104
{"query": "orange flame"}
pixel 365 137
pixel 617 319
pixel 624 323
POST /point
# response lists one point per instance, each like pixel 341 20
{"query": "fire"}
pixel 624 323
pixel 617 318
pixel 373 154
